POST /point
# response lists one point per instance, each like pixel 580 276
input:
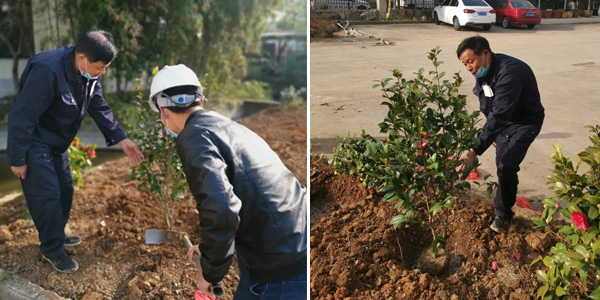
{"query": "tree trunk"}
pixel 15 71
pixel 389 9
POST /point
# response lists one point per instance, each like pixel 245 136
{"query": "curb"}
pixel 13 287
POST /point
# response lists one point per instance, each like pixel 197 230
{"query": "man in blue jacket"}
pixel 57 89
pixel 509 98
pixel 246 198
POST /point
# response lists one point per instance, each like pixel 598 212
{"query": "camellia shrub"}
pixel 161 171
pixel 80 158
pixel 427 128
pixel 579 254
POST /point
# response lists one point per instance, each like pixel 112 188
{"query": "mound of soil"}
pixel 356 253
pixel 110 215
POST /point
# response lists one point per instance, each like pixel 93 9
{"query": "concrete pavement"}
pixel 564 59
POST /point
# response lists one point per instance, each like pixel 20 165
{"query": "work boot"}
pixel 63 263
pixel 500 225
pixel 72 241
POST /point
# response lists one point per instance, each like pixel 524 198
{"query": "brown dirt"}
pixel 356 253
pixel 110 214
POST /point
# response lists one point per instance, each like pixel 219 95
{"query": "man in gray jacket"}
pixel 246 198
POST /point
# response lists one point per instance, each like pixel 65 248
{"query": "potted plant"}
pixel 547 13
pixel 557 13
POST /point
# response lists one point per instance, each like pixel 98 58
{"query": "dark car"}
pixel 516 12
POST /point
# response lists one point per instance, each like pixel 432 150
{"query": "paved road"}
pixel 565 59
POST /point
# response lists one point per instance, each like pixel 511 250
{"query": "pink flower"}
pixel 522 202
pixel 518 255
pixel 92 153
pixel 579 220
pixel 85 148
pixel 421 144
pixel 494 265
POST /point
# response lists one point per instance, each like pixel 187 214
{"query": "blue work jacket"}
pixel 52 101
pixel 515 99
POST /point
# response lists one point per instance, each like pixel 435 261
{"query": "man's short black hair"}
pixel 183 89
pixel 475 43
pixel 96 45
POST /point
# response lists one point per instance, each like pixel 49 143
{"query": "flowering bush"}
pixel 161 172
pixel 427 127
pixel 80 158
pixel 579 255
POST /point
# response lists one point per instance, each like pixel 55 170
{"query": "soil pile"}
pixel 356 253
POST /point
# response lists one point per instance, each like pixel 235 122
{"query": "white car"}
pixel 461 13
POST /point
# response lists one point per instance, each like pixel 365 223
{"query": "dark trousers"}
pixel 511 147
pixel 48 189
pixel 290 289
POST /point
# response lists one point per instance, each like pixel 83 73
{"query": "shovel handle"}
pixel 217 289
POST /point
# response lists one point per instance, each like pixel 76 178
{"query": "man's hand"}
pixel 20 172
pixel 132 151
pixel 202 285
pixel 468 157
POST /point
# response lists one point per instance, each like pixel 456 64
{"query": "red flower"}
pixel 384 140
pixel 422 144
pixel 92 153
pixel 367 135
pixel 75 143
pixel 165 133
pixel 419 169
pixel 579 220
pixel 86 148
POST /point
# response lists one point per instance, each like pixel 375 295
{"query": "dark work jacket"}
pixel 516 99
pixel 247 200
pixel 52 101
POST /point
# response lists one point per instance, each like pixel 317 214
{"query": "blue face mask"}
pixel 169 131
pixel 86 74
pixel 482 70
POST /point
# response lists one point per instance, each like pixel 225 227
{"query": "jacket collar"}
pixel 69 64
pixel 193 115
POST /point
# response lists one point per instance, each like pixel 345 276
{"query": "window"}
pixel 521 4
pixel 474 3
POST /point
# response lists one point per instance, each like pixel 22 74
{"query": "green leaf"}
pixel 560 291
pixel 595 294
pixel 593 212
pixel 542 290
pixel 397 220
pixel 435 208
pixel 542 277
pixel 581 250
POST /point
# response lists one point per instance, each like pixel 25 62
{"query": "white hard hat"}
pixel 172 76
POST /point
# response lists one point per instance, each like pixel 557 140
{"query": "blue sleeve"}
pixel 103 116
pixel 506 98
pixel 35 96
pixel 218 206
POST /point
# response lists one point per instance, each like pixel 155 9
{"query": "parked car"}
pixel 516 12
pixel 462 13
pixel 339 4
